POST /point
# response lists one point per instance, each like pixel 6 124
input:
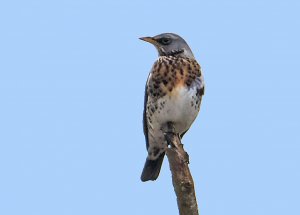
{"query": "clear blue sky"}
pixel 72 76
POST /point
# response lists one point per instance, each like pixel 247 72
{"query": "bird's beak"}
pixel 149 40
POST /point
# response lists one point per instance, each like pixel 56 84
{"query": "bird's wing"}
pixel 145 123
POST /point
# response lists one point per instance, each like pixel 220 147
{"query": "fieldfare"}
pixel 173 94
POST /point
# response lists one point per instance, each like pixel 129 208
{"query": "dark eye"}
pixel 165 41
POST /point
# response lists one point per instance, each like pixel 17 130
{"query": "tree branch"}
pixel 181 176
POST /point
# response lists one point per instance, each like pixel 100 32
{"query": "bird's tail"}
pixel 152 168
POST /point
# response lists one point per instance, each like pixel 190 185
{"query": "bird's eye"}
pixel 165 41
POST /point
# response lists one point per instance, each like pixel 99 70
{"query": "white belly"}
pixel 180 109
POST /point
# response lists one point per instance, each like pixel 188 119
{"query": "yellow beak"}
pixel 149 40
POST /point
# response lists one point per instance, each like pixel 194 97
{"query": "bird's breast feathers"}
pixel 175 88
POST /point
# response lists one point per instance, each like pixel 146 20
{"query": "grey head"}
pixel 169 44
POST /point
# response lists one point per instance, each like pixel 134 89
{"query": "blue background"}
pixel 72 77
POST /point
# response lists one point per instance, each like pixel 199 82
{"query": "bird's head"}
pixel 169 44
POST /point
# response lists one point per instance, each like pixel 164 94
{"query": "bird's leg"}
pixel 174 141
pixel 169 132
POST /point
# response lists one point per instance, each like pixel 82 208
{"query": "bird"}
pixel 173 94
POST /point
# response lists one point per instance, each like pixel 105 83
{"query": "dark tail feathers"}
pixel 152 168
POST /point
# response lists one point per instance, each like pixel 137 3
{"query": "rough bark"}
pixel 181 176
